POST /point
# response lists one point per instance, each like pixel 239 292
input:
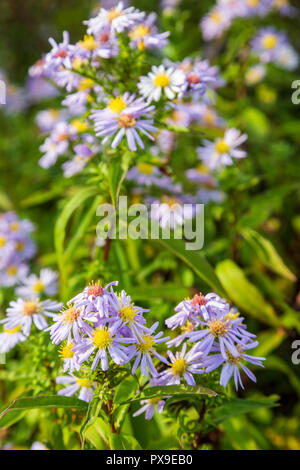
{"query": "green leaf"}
pixel 196 262
pixel 93 411
pixel 236 407
pixel 5 202
pixel 51 401
pixel 166 291
pixel 123 442
pixel 61 224
pixel 267 253
pixel 179 391
pixel 244 294
pixel 116 173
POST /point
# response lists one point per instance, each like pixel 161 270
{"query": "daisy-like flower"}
pixel 131 315
pixel 95 298
pixel 183 365
pixel 69 323
pixel 25 311
pixel 256 7
pixel 125 117
pixel 117 18
pixel 215 23
pixel 70 357
pixel 161 80
pixel 145 174
pixel 84 386
pixel 55 145
pixel 13 272
pixel 232 364
pixel 255 74
pixel 286 57
pixel 172 211
pixel 201 174
pixel 60 55
pixel 267 42
pixel 104 44
pixel 104 340
pixel 148 406
pixel 144 349
pixel 221 152
pixel 200 78
pixel 9 338
pixel 145 36
pixel 284 7
pixel 83 154
pixel 35 286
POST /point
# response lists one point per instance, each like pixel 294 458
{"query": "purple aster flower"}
pixel 144 349
pixel 125 116
pixel 284 7
pixel 95 299
pixel 25 311
pixel 56 144
pixel 146 174
pixel 256 7
pixel 104 45
pixel 172 211
pixel 200 78
pixel 70 358
pixel 222 151
pixel 144 35
pixel 215 23
pixel 35 286
pixel 9 338
pixel 70 323
pixel 148 406
pixel 183 365
pixel 117 18
pixel 83 154
pixel 267 42
pixel 85 387
pixel 233 363
pixel 60 55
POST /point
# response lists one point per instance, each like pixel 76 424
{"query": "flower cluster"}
pixel 16 248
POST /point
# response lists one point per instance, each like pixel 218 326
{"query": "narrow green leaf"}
pixel 197 262
pixel 180 391
pixel 267 253
pixel 244 294
pixel 116 173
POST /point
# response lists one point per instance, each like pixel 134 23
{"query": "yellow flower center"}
pixel 161 80
pixel 20 246
pixel 77 63
pixel 66 351
pixel 154 401
pixel 222 146
pixel 86 84
pixel 2 241
pixel 12 270
pixel 84 382
pixel 102 338
pixel 187 327
pixel 232 359
pixel 88 43
pixel 209 117
pixel 116 105
pixel 217 328
pixel 71 314
pixel 79 125
pixel 147 345
pixel 171 201
pixel 38 287
pixel 215 17
pixel 13 330
pixel 14 226
pixel 30 307
pixel 179 366
pixel 126 121
pixel 253 3
pixel 139 32
pixel 113 14
pixel 145 168
pixel 231 315
pixel 128 313
pixel 269 41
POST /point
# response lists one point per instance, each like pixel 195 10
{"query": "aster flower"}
pixel 267 43
pixel 69 323
pixel 25 311
pixel 284 7
pixel 222 151
pixel 286 57
pixel 148 406
pixel 83 154
pixel 146 174
pixel 233 363
pixel 13 272
pixel 104 45
pixel 55 145
pixel 215 23
pixel 9 338
pixel 255 74
pixel 183 365
pixel 85 387
pixel 60 55
pixel 144 349
pixel 104 340
pixel 95 298
pixel 200 78
pixel 256 7
pixel 172 211
pixel 117 18
pixel 70 358
pixel 124 116
pixel 161 81
pixel 145 36
pixel 35 286
pixel 201 174
pixel 47 119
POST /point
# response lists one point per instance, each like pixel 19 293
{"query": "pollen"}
pixel 139 32
pixel 113 14
pixel 128 313
pixel 269 41
pixel 71 314
pixel 145 168
pixel 188 327
pixel 231 315
pixel 179 366
pixel 215 17
pixel 14 226
pixel 61 54
pixel 116 105
pixel 232 359
pixel 20 246
pixel 192 78
pixel 30 308
pixel 162 80
pixel 86 84
pixel 222 146
pixel 217 328
pixel 13 330
pixel 66 351
pixel 198 299
pixel 2 241
pixel 79 125
pixel 126 121
pixel 89 43
pixel 84 382
pixel 38 287
pixel 147 345
pixel 102 338
pixel 95 290
pixel 12 270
